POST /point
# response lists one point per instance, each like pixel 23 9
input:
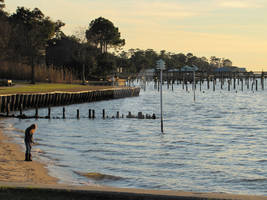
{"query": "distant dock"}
pixel 249 80
pixel 204 75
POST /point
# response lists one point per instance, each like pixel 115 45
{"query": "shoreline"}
pixel 13 168
pixel 17 175
pixel 20 102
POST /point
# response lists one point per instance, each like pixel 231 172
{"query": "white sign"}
pixel 160 64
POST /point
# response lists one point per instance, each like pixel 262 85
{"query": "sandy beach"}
pixel 16 174
pixel 13 168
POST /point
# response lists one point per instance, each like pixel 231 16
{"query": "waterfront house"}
pixel 230 69
pixel 188 68
pixel 149 72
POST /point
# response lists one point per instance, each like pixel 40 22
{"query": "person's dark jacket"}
pixel 28 136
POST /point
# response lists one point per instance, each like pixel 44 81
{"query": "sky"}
pixel 230 29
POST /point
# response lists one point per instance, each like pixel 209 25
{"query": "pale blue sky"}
pixel 234 29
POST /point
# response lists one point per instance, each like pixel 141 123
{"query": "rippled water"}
pixel 216 144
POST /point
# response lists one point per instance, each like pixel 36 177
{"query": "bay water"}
pixel 217 143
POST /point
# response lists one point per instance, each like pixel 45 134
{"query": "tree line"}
pixel 28 36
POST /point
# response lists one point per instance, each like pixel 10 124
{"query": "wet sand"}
pixel 13 168
pixel 18 177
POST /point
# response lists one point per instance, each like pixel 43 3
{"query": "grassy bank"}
pixel 19 88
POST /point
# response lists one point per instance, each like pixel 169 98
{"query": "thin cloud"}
pixel 160 9
pixel 240 4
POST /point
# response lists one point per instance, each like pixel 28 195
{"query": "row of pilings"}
pixel 253 84
pixel 15 102
pixel 203 76
pixel 249 80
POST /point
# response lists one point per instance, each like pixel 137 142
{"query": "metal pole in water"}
pixel 161 113
pixel 194 82
pixel 161 67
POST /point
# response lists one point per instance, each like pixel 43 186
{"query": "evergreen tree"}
pixel 31 31
pixel 103 34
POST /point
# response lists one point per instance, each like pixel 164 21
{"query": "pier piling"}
pixel 140 115
pixel 78 114
pixel 118 115
pixel 8 109
pixel 90 114
pixel 20 109
pixel 36 112
pixel 93 114
pixel 49 113
pixel 103 114
pixel 64 116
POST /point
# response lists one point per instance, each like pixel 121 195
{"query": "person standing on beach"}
pixel 28 139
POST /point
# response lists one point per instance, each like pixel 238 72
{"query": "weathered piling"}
pixel 93 112
pixel 155 84
pixel 36 112
pixel 103 114
pixel 262 83
pixel 242 85
pixel 2 102
pixel 90 114
pixel 78 114
pixel 262 80
pixel 8 105
pixel 21 109
pixel 12 102
pixel 8 109
pixel 140 115
pixel 129 115
pixel 49 113
pixel 234 83
pixel 64 116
